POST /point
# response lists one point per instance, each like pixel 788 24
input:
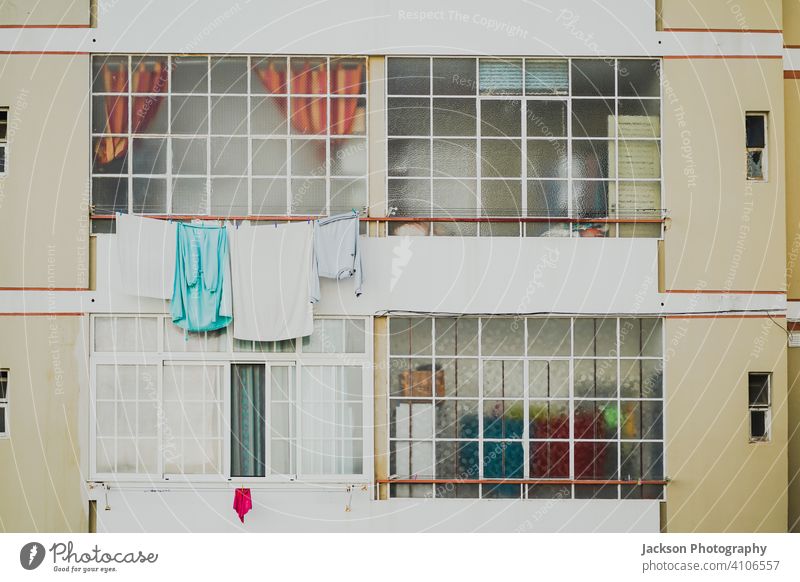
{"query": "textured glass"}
pixel 592 118
pixel 268 157
pixel 348 116
pixel 460 377
pixel 348 194
pixel 593 77
pixel 547 158
pixel 308 196
pixel 149 156
pixel 590 198
pixel 150 195
pixel 547 118
pixel 308 75
pixel 409 116
pixel 501 118
pixel 502 419
pixel 639 118
pixel 410 197
pixel 454 157
pixel 116 166
pixel 591 160
pixel 548 198
pixel 412 458
pixel 639 78
pixel 641 378
pixel 125 334
pixel 501 198
pixel 549 419
pixel 408 76
pixel 503 378
pixel 109 106
pixel 454 76
pixel 454 117
pixel 189 115
pixel 229 75
pixel 268 116
pixel 409 157
pixel 501 158
pixel 189 75
pixel 457 460
pixel 455 198
pixel 500 77
pixel 457 336
pixel 640 337
pixel 348 157
pixel 269 196
pixel 110 195
pixel 595 337
pixel 595 378
pixel 548 337
pixel 457 419
pixel 549 379
pixel 546 77
pixel 308 157
pixel 639 159
pixel 263 66
pixel 411 419
pixel 189 156
pixel 549 460
pixel 229 115
pixel 189 196
pixel 410 336
pixel 229 196
pixel 110 74
pixel 642 461
pixel 596 419
pixel 341 84
pixel 228 156
pixel 503 336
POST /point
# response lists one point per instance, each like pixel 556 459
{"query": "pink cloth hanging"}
pixel 242 502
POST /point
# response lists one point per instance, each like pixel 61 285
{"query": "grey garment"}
pixel 336 252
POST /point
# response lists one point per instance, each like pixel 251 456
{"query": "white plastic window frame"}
pixel 226 358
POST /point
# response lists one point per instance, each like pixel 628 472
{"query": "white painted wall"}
pixel 568 27
pixel 324 511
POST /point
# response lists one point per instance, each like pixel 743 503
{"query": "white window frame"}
pixel 226 358
pixel 765 408
pixel 4 403
pixel 612 202
pixel 764 151
pixel 526 439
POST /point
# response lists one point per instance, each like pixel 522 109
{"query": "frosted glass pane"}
pixel 503 378
pixel 548 198
pixel 500 77
pixel 189 75
pixel 229 196
pixel 549 337
pixel 639 78
pixel 126 456
pixel 454 117
pixel 455 198
pixel 408 76
pixel 228 75
pixel 150 195
pixel 501 157
pixel 106 418
pixel 149 156
pixel 309 197
pixel 409 157
pixel 269 157
pixel 308 75
pixel 546 77
pixel 639 199
pixel 348 194
pixel 547 158
pixel 106 382
pixel 229 115
pixel 593 77
pixel 501 118
pixel 454 158
pixel 258 83
pixel 410 197
pixel 454 76
pixel 268 115
pixel 639 159
pixel 409 116
pixel 412 420
pixel 118 69
pixel 590 159
pixel 110 195
pixel 348 157
pixel 189 156
pixel 355 337
pixel 592 118
pixel 228 156
pixel 409 458
pixel 189 115
pixel 269 196
pixel 126 334
pixel 106 456
pixel 189 196
pixel 501 198
pixel 308 157
pixel 639 118
pixel 503 337
pixel 547 118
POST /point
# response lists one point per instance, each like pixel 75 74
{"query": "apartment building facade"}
pixel 578 239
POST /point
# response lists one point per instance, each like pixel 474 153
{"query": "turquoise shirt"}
pixel 201 299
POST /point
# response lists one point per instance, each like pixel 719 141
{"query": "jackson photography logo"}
pixel 31 555
pixel 67 559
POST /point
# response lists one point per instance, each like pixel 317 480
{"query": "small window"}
pixel 3 139
pixel 756 142
pixel 3 403
pixel 759 405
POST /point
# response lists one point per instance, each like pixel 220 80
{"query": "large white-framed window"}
pixel 4 421
pixel 206 407
pixel 228 135
pixel 474 401
pixel 525 137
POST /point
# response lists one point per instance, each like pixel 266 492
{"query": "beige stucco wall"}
pixel 792 108
pixel 791 22
pixel 720 481
pixel 794 439
pixel 41 477
pixel 725 14
pixel 44 196
pixel 20 12
pixel 726 233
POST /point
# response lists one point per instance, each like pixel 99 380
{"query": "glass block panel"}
pixel 500 77
pixel 546 76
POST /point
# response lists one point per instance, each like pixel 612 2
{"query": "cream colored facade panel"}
pixel 720 482
pixel 44 12
pixel 794 439
pixel 792 108
pixel 726 233
pixel 44 195
pixel 791 22
pixel 42 482
pixel 739 15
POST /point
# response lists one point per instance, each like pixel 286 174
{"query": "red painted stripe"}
pixel 745 31
pixel 674 57
pixel 45 26
pixel 44 289
pixel 718 291
pixel 728 316
pixel 793 325
pixel 43 53
pixel 41 314
pixel 791 74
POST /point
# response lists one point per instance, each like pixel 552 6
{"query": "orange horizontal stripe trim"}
pixel 791 46
pixel 43 53
pixel 728 316
pixel 793 325
pixel 41 313
pixel 718 291
pixel 519 482
pixel 791 74
pixel 743 30
pixel 45 26
pixel 723 57
pixel 44 289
